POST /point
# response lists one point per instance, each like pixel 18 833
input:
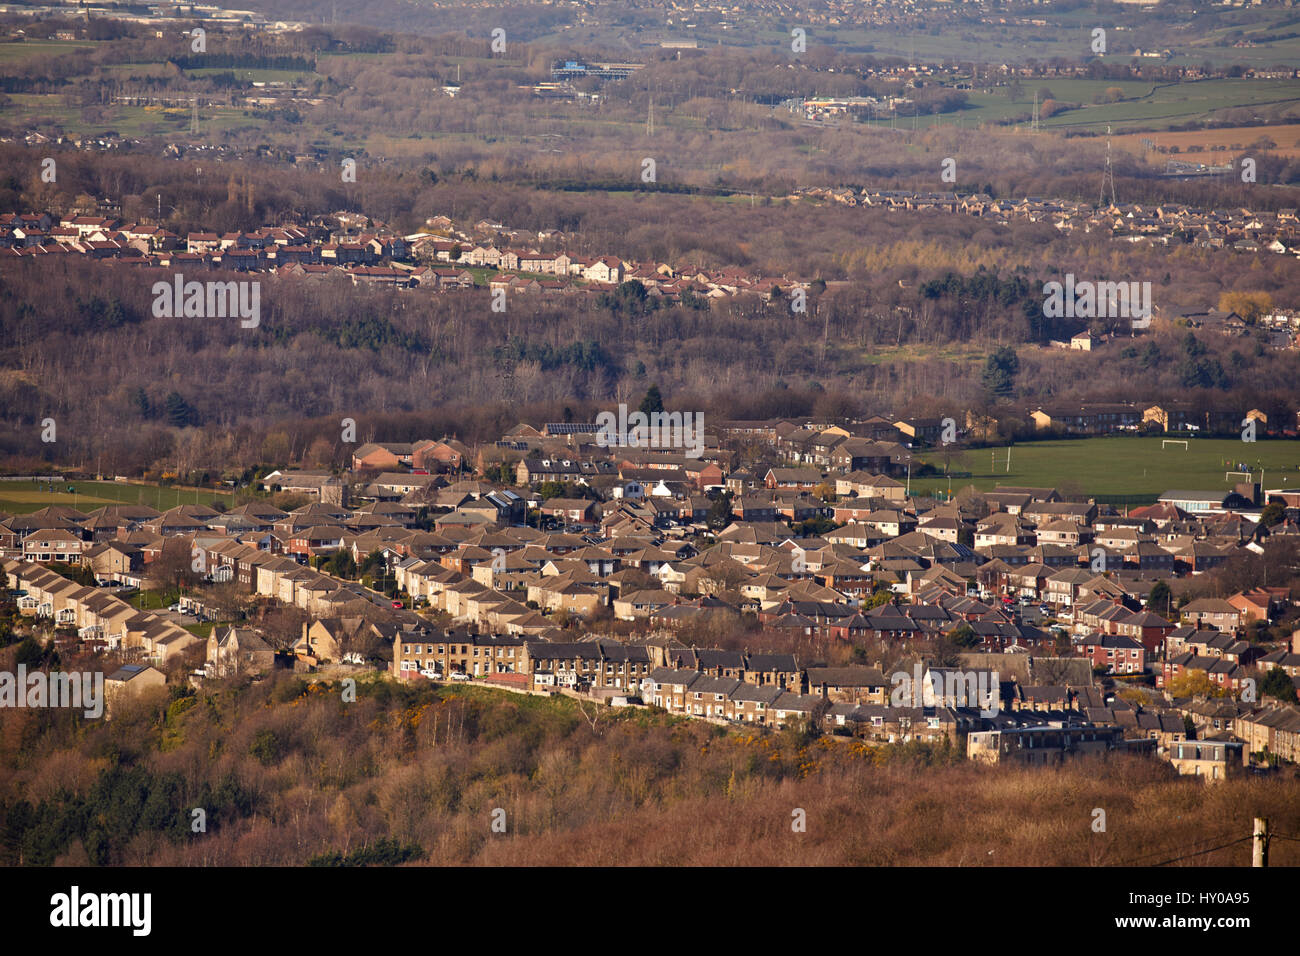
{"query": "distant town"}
pixel 442 257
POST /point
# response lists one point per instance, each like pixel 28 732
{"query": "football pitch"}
pixel 24 497
pixel 1137 467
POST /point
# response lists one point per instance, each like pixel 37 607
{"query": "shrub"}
pixel 265 747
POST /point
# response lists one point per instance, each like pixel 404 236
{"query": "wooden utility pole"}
pixel 1260 855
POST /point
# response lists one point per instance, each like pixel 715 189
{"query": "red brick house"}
pixel 1117 653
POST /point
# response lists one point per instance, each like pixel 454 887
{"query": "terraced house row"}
pixel 98 619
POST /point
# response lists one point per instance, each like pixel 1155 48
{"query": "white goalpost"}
pixel 1166 442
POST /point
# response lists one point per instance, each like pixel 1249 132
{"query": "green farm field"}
pixel 1144 106
pixel 17 52
pixel 1136 467
pixel 141 121
pixel 259 76
pixel 1058 33
pixel 24 497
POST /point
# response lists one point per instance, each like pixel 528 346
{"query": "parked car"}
pixel 431 674
pixel 457 675
pixel 398 605
pixel 174 607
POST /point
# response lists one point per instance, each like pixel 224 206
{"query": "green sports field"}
pixel 23 497
pixel 1120 465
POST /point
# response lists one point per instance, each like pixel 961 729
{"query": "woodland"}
pixel 288 774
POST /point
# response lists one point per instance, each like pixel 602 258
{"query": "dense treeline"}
pixel 289 774
pixel 242 61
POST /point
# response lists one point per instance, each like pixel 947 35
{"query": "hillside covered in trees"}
pixel 290 774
